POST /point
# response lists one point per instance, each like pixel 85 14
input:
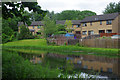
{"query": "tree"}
pixel 85 13
pixel 60 29
pixel 112 8
pixel 68 24
pixel 36 17
pixel 18 8
pixel 49 26
pixel 24 33
pixel 73 15
pixel 7 32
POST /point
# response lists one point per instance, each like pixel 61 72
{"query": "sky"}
pixel 97 6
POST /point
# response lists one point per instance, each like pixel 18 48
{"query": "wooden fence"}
pixel 99 43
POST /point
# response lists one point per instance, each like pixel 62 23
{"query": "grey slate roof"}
pixel 63 22
pixel 111 16
pixel 34 23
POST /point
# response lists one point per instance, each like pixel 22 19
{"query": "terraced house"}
pixel 107 23
pixel 35 27
pixel 75 24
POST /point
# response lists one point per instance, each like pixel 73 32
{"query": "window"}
pixel 90 32
pixel 85 67
pixel 109 69
pixel 100 22
pixel 101 69
pixel 84 24
pixel 108 31
pixel 33 27
pixel 77 26
pixel 91 23
pixel 101 31
pixel 108 22
pixel 84 32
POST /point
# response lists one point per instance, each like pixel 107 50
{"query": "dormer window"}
pixel 109 22
pixel 84 24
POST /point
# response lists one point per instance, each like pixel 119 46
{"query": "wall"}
pixel 115 25
pixel 35 28
pixel 95 27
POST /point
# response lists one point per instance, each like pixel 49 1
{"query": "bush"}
pixel 24 33
pixel 15 67
pixel 61 32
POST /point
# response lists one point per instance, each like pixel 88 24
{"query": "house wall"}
pixel 119 24
pixel 115 25
pixel 35 28
pixel 95 27
pixel 73 27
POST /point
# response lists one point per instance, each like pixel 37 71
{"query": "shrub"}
pixel 25 33
pixel 15 67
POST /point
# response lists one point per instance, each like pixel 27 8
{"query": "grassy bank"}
pixel 36 45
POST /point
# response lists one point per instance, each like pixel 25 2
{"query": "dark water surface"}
pixel 89 64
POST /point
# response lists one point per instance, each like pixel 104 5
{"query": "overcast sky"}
pixel 59 5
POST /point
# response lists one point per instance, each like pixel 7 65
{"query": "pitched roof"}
pixel 100 17
pixel 63 22
pixel 34 23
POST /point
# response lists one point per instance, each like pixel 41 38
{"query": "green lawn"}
pixel 38 45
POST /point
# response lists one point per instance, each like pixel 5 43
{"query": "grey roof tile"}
pixel 100 17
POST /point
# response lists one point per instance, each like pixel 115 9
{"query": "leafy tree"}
pixel 68 24
pixel 24 33
pixel 49 26
pixel 73 15
pixel 36 17
pixel 18 8
pixel 85 13
pixel 112 8
pixel 7 32
pixel 60 27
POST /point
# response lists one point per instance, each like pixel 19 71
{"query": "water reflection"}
pixel 104 65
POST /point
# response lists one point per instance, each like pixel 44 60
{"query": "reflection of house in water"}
pixel 98 63
pixel 37 59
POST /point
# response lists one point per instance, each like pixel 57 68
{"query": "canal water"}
pixel 102 67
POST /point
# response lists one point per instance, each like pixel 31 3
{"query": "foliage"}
pixel 68 24
pixel 49 27
pixel 71 15
pixel 24 33
pixel 18 8
pixel 7 32
pixel 112 8
pixel 15 67
pixel 61 32
pixel 60 27
pixel 35 16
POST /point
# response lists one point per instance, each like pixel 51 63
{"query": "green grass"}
pixel 28 42
pixel 38 45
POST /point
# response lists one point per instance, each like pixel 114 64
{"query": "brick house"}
pixel 35 27
pixel 107 23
